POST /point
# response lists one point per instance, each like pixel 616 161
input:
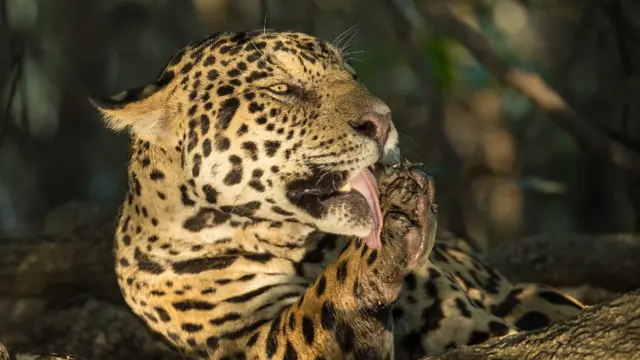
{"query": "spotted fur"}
pixel 225 245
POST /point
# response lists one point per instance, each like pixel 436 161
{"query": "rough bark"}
pixel 607 331
pixel 91 330
pixel 4 355
pixel 61 265
pixel 604 261
pixel 98 330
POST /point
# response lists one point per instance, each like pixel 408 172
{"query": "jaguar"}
pixel 257 225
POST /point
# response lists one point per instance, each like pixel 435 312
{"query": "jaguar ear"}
pixel 143 111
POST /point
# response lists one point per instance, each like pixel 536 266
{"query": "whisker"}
pixel 319 156
pixel 349 42
pixel 235 202
pixel 355 52
pixel 339 37
pixel 411 153
pixel 357 60
pixel 338 40
pixel 322 177
pixel 264 25
pixel 256 47
pixel 410 138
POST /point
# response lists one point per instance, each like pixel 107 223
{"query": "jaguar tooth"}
pixel 345 188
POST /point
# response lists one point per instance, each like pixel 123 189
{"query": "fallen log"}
pixel 4 355
pixel 609 331
pixel 89 330
pixel 60 266
pixel 602 261
pixel 97 330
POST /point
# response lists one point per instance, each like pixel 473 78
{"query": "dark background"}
pixel 504 169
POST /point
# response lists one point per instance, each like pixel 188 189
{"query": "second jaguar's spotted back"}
pixel 253 229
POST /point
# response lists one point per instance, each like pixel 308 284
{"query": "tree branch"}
pixel 60 266
pixel 4 355
pixel 532 85
pixel 603 261
pixel 91 330
pixel 607 331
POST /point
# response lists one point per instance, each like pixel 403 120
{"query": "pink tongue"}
pixel 365 184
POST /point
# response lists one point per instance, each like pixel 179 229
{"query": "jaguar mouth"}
pixel 366 184
pixel 359 191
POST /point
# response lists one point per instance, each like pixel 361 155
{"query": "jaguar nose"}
pixel 374 126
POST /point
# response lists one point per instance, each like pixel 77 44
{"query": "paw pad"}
pixel 407 199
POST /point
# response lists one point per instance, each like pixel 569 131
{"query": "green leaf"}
pixel 438 53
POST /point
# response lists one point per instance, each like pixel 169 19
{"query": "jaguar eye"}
pixel 280 89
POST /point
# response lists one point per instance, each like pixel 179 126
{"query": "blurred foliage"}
pixel 437 51
pixel 502 168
